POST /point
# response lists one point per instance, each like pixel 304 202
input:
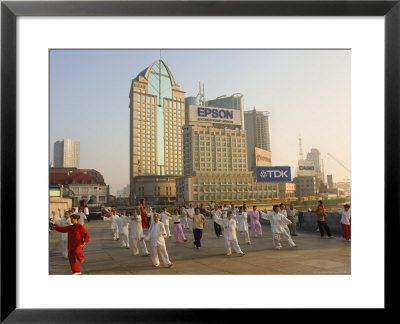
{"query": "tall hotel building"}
pixel 215 158
pixel 157 114
pixel 258 134
pixel 66 154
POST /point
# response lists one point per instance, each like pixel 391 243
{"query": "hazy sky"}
pixel 307 93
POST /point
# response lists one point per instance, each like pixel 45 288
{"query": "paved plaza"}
pixel 312 255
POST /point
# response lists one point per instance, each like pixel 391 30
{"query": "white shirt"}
pixel 123 223
pixel 277 221
pixel 164 218
pixel 229 228
pixel 241 219
pixel 346 215
pixel 155 234
pixel 216 214
pixel 151 215
pixel 65 222
pixel 82 218
pixel 114 221
pixel 86 211
pixel 136 227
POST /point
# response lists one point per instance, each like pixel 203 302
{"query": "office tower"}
pixel 66 154
pixel 157 114
pixel 215 159
pixel 330 180
pixel 234 101
pixel 257 128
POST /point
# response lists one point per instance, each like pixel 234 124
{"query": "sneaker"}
pixel 127 247
pixel 293 246
pixel 157 265
pixel 277 247
pixel 147 254
pixel 331 236
pixel 77 273
pixel 170 265
pixel 294 234
pixel 169 236
pixel 248 243
pixel 198 247
pixel 241 254
pixel 228 254
pixel 184 241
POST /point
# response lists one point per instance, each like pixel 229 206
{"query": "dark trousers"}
pixel 197 233
pixel 217 229
pixel 148 221
pixel 324 226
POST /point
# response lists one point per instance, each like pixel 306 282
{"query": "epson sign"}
pixel 274 174
pixel 214 113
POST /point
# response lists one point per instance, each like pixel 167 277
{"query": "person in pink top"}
pixel 255 221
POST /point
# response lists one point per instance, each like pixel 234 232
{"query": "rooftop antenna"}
pixel 300 149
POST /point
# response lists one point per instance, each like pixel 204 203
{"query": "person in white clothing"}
pixel 229 226
pixel 151 214
pixel 123 227
pixel 114 224
pixel 137 234
pixel 242 225
pixel 82 217
pixel 156 236
pixel 164 217
pixel 277 219
pixel 216 214
pixel 65 221
pixel 184 218
pixel 191 212
pixel 283 211
pixel 345 222
pixel 86 211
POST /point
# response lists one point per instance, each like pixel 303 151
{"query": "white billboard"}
pixel 214 115
pixel 306 168
pixel 263 157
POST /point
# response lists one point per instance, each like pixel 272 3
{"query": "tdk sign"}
pixel 273 174
pixel 214 113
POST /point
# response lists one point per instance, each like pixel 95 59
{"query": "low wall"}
pixel 309 222
pixel 62 203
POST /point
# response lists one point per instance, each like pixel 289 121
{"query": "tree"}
pixel 92 200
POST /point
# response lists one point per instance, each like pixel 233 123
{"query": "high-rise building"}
pixel 315 156
pixel 256 124
pixel 234 101
pixel 215 159
pixel 66 154
pixel 330 180
pixel 157 114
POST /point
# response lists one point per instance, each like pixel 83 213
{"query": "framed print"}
pixel 53 55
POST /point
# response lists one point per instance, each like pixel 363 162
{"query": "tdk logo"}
pixel 215 113
pixel 273 174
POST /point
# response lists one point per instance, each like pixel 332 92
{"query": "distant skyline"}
pixel 307 93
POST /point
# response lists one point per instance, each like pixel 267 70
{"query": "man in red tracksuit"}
pixel 77 238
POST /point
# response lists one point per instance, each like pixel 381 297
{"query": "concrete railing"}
pixel 309 222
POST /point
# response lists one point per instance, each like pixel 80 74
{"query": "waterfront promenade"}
pixel 312 255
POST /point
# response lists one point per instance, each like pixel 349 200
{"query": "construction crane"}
pixel 339 162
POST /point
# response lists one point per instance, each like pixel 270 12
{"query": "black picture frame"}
pixel 10 10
